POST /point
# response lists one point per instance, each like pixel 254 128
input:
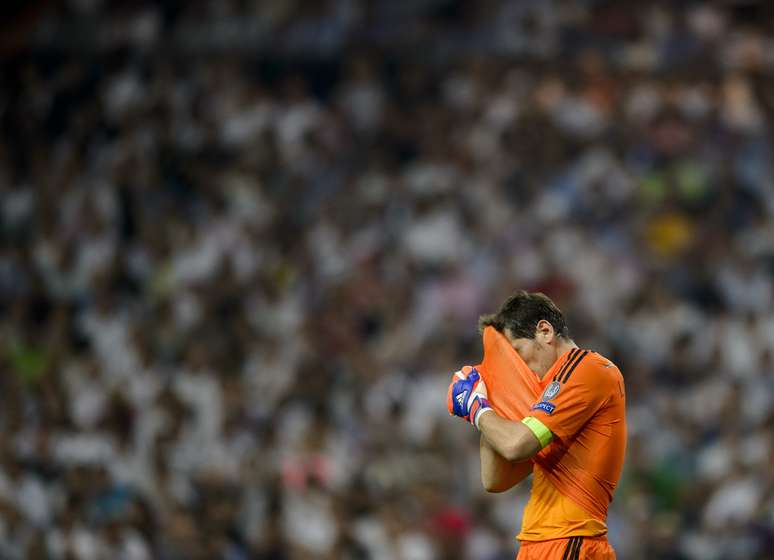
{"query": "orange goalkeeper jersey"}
pixel 581 401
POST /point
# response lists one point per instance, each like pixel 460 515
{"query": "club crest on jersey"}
pixel 551 391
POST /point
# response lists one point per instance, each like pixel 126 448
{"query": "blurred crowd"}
pixel 243 245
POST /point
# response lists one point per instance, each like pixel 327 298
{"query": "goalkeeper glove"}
pixel 467 397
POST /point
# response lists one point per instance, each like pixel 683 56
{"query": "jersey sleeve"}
pixel 575 395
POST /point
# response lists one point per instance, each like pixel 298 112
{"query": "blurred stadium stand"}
pixel 243 244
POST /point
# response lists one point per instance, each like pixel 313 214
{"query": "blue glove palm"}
pixel 467 397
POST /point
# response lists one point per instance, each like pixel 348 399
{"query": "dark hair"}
pixel 522 312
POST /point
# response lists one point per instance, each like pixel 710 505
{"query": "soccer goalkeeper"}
pixel 573 437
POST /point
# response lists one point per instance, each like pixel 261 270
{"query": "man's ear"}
pixel 545 331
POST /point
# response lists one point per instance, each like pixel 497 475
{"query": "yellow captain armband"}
pixel 537 427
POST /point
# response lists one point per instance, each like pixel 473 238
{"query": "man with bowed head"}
pixel 572 438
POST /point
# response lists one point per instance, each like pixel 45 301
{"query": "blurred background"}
pixel 244 243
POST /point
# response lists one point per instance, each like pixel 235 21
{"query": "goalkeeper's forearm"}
pixel 512 440
pixel 497 473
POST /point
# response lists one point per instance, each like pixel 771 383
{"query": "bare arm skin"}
pixel 512 440
pixel 497 473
